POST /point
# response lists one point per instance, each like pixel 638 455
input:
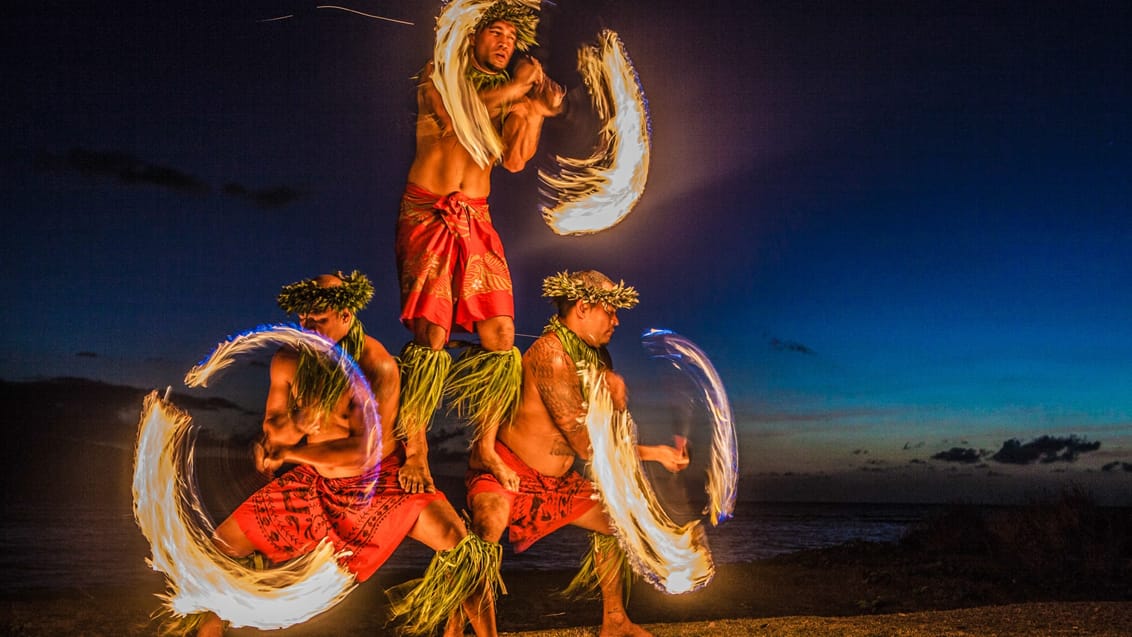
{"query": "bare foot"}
pixel 617 624
pixel 414 476
pixel 211 626
pixel 483 458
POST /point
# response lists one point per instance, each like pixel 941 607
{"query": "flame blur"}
pixel 673 558
pixel 592 194
pixel 723 474
pixel 168 510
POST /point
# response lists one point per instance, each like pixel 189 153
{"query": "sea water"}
pixel 79 546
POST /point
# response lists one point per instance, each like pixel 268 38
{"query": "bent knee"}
pixel 430 335
pixel 490 514
pixel 496 333
pixel 230 539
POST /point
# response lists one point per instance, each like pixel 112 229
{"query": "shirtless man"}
pixel 549 433
pixel 450 259
pixel 343 486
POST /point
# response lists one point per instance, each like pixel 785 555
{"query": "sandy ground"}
pixel 861 592
pixel 1013 620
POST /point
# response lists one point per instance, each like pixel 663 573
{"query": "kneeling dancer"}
pixel 549 433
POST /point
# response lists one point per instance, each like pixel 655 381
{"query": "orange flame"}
pixel 168 510
pixel 593 194
pixel 674 558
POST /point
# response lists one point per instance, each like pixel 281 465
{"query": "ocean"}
pixel 86 546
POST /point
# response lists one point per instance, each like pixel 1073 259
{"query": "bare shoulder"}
pixel 546 352
pixel 376 360
pixel 285 361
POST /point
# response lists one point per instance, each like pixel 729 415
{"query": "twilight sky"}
pixel 900 230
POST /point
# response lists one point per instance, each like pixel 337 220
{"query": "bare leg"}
pixel 429 334
pixel 496 334
pixel 230 539
pixel 417 399
pixel 440 528
pixel 490 513
pixel 615 621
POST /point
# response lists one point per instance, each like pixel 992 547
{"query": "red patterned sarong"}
pixel 450 261
pixel 288 517
pixel 543 503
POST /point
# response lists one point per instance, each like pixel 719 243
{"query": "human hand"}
pixel 674 459
pixel 489 459
pixel 267 462
pixel 528 71
pixel 308 420
pixel 549 97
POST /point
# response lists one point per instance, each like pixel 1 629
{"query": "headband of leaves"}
pixel 516 13
pixel 308 296
pixel 570 287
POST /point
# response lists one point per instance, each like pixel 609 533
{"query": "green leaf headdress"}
pixel 308 296
pixel 519 15
pixel 587 287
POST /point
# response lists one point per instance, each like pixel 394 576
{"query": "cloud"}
pixel 1045 449
pixel 909 445
pixel 271 198
pixel 1113 466
pixel 790 346
pixel 124 167
pixel 960 454
pixel 131 170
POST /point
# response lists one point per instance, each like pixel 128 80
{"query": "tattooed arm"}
pixel 560 389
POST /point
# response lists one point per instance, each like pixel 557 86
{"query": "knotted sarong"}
pixel 450 261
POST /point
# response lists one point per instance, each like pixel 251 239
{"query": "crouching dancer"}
pixel 549 433
pixel 364 499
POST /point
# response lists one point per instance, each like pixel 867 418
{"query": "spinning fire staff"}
pixel 346 487
pixel 550 431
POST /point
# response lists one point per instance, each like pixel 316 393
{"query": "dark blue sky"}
pixel 901 230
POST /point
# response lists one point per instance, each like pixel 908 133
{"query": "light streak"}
pixel 168 510
pixel 451 57
pixel 673 558
pixel 362 13
pixel 723 474
pixel 589 195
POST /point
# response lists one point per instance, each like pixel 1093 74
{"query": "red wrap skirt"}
pixel 450 261
pixel 543 503
pixel 368 515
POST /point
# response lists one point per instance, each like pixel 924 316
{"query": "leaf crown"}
pixel 574 287
pixel 308 296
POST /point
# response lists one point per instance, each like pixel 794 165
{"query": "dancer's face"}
pixel 333 324
pixel 599 323
pixel 493 46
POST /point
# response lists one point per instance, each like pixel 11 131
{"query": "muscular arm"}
pixel 556 379
pixel 528 74
pixel 285 430
pixel 279 424
pixel 429 102
pixel 522 127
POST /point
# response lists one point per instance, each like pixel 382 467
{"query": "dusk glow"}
pixel 901 236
